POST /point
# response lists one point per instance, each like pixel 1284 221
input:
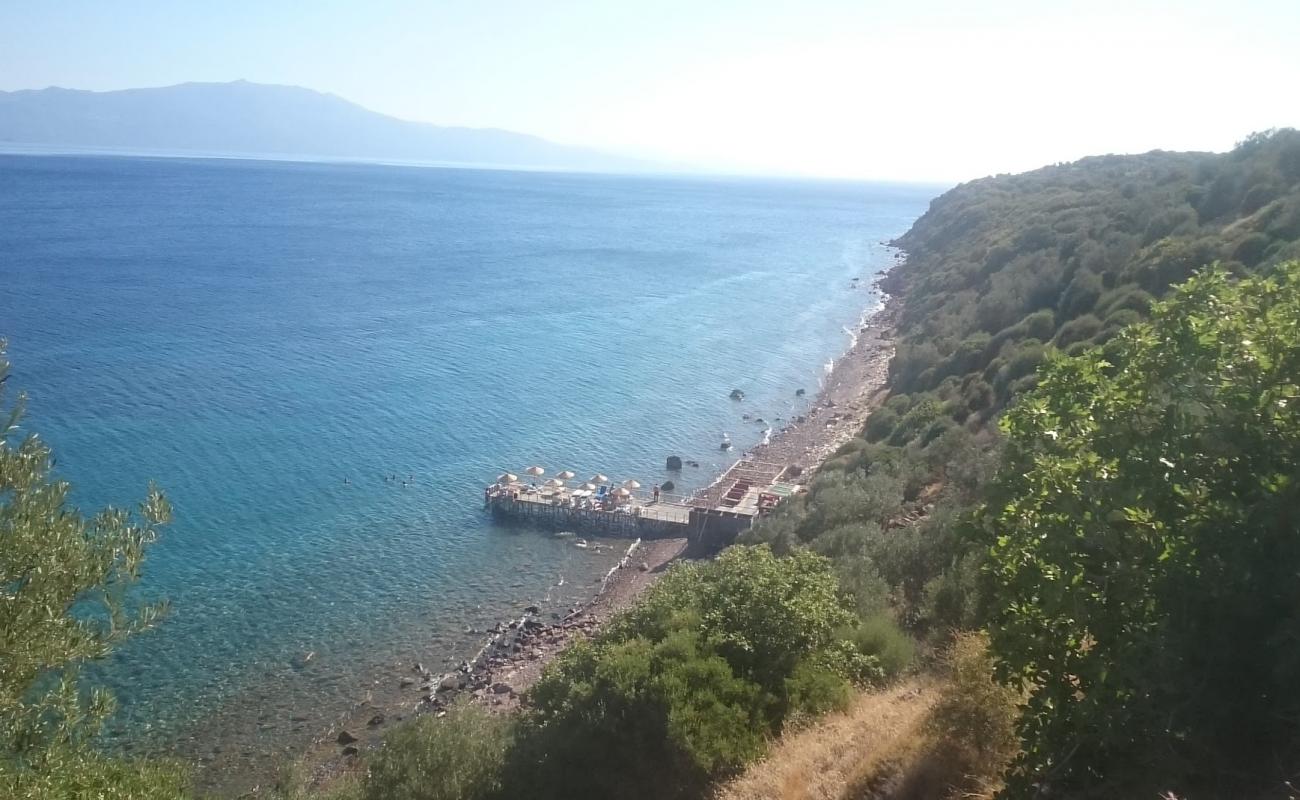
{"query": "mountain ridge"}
pixel 255 119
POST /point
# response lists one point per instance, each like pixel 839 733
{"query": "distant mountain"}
pixel 243 118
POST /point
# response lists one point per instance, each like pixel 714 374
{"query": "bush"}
pixel 457 757
pixel 978 395
pixel 1126 297
pixel 687 685
pixel 1081 295
pixel 78 774
pixel 1078 330
pixel 1156 629
pixel 1251 249
pixel 814 690
pixel 918 418
pixel 974 721
pixel 878 635
pixel 880 424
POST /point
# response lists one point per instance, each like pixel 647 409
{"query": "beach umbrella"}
pixel 554 482
pixel 567 475
pixel 506 478
pixel 620 492
pixel 590 487
pixel 631 484
pixel 598 478
pixel 535 471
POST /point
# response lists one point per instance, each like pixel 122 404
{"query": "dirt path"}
pixel 822 761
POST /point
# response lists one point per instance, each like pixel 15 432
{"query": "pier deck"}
pixel 717 513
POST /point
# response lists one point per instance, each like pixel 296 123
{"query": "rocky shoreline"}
pixel 515 652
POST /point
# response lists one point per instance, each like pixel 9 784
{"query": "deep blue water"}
pixel 252 334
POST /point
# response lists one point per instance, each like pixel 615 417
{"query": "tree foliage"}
pixel 63 578
pixel 1145 547
pixel 687 685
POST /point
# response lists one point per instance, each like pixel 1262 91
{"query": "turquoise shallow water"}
pixel 269 340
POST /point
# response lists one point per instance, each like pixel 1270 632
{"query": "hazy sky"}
pixel 910 89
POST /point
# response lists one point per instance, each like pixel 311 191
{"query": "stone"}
pixel 345 738
pixel 376 721
pixel 532 610
pixel 667 486
pixel 501 688
pixel 452 680
pixel 405 682
pixel 736 394
pixel 674 463
pixel 350 751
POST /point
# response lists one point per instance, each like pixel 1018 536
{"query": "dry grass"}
pixel 963 745
pixel 821 761
pixel 921 740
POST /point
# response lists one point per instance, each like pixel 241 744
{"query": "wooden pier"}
pixel 713 516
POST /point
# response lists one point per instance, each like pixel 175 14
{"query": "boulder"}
pixel 799 392
pixel 501 688
pixel 345 738
pixel 736 394
pixel 376 721
pixel 674 463
pixel 350 751
pixel 532 610
pixel 452 680
pixel 667 486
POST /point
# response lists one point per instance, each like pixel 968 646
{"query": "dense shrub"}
pixel 974 721
pixel 879 635
pixel 1081 295
pixel 1251 249
pixel 79 774
pixel 1078 330
pixel 1127 297
pixel 457 757
pixel 1144 552
pixel 880 424
pixel 687 685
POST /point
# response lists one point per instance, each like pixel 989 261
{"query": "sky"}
pixel 923 90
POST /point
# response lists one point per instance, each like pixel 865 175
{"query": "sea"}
pixel 323 364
